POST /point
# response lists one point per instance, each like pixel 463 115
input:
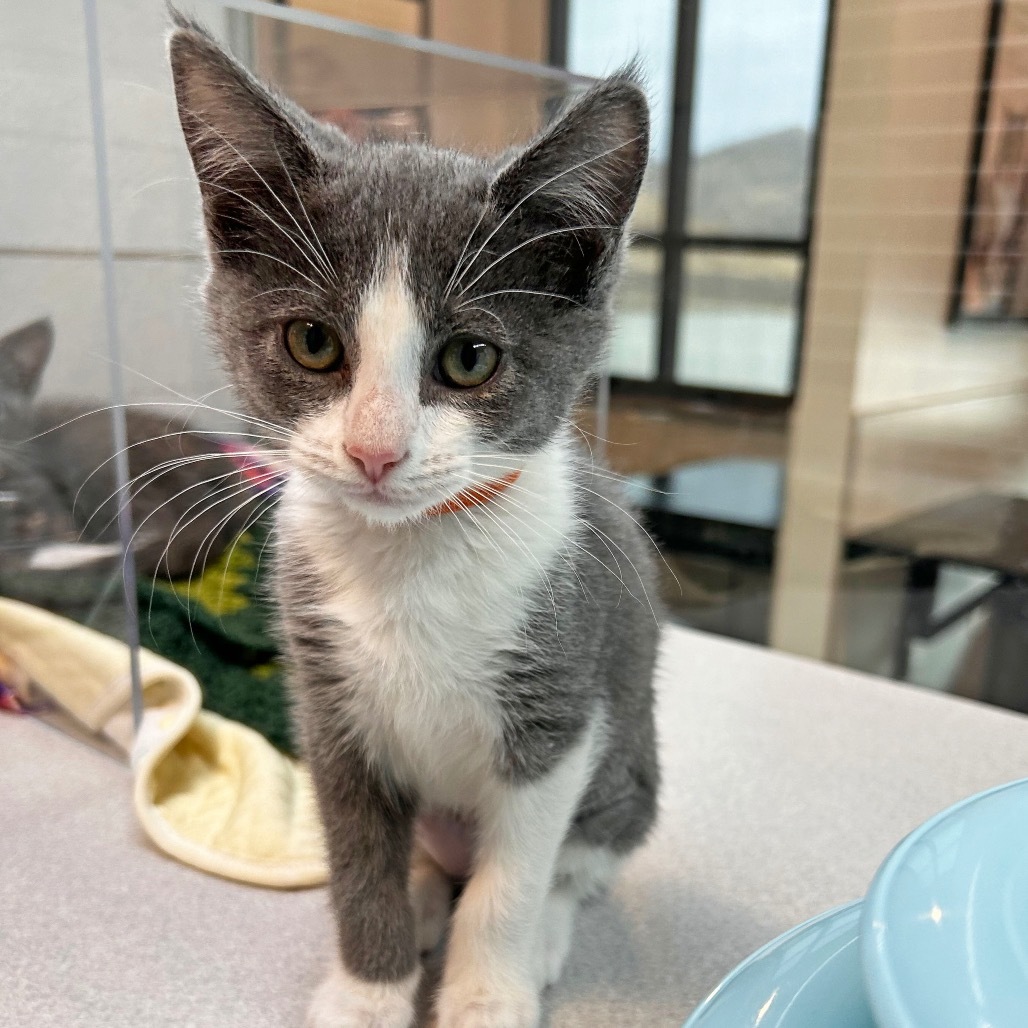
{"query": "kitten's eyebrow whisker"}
pixel 283 289
pixel 492 314
pixel 306 216
pixel 277 260
pixel 527 292
pixel 260 210
pixel 262 179
pixel 528 242
pixel 543 185
pixel 467 242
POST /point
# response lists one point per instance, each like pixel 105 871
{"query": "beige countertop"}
pixel 786 783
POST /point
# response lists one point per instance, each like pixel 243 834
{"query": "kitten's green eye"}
pixel 313 345
pixel 467 361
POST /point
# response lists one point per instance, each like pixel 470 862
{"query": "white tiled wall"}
pixel 48 210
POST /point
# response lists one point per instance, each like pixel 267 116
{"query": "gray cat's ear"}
pixel 250 147
pixel 23 356
pixel 587 167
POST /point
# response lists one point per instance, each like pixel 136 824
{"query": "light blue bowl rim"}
pixel 885 1002
pixel 756 955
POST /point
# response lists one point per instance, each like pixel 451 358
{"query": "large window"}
pixel 713 292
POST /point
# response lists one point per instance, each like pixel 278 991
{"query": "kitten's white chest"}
pixel 429 620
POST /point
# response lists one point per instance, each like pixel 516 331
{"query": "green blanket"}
pixel 218 626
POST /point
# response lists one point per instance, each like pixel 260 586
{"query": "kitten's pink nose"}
pixel 376 463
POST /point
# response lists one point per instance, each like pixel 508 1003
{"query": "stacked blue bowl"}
pixel 940 940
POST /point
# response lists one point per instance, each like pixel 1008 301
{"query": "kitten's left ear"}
pixel 250 147
pixel 588 166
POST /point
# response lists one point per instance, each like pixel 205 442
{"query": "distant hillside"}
pixel 753 188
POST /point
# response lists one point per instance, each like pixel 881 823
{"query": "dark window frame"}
pixel 676 242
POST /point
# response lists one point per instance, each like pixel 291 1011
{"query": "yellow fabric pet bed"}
pixel 208 791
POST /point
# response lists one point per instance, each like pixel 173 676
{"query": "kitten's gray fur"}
pixel 591 648
pixel 57 479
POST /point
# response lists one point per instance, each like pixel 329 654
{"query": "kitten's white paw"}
pixel 479 1007
pixel 343 1001
pixel 556 929
pixel 431 893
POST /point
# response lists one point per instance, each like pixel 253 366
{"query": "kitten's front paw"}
pixel 343 1001
pixel 479 1007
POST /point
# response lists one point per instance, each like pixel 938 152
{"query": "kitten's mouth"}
pixel 387 502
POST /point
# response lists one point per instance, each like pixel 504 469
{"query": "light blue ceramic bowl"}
pixel 944 938
pixel 807 978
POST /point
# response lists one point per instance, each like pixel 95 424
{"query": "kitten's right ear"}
pixel 248 145
pixel 23 356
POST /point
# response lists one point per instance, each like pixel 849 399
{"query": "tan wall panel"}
pixel 933 84
pixel 395 15
pixel 516 28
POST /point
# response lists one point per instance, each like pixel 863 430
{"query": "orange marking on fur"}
pixel 476 495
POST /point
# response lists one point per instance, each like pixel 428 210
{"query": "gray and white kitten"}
pixel 471 654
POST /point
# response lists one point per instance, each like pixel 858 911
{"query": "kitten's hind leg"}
pixel 582 871
pixel 431 894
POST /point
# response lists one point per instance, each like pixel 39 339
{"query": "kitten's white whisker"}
pixel 618 575
pixel 282 289
pixel 174 531
pixel 122 406
pixel 277 260
pixel 527 550
pixel 600 496
pixel 145 484
pixel 596 472
pixel 598 438
pixel 528 242
pixel 138 483
pixel 467 242
pixel 538 534
pixel 528 196
pixel 263 182
pixel 519 488
pixel 248 523
pixel 524 292
pixel 142 481
pixel 637 523
pixel 260 210
pixel 317 240
pixel 170 435
pixel 210 535
pixel 273 499
pixel 492 314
